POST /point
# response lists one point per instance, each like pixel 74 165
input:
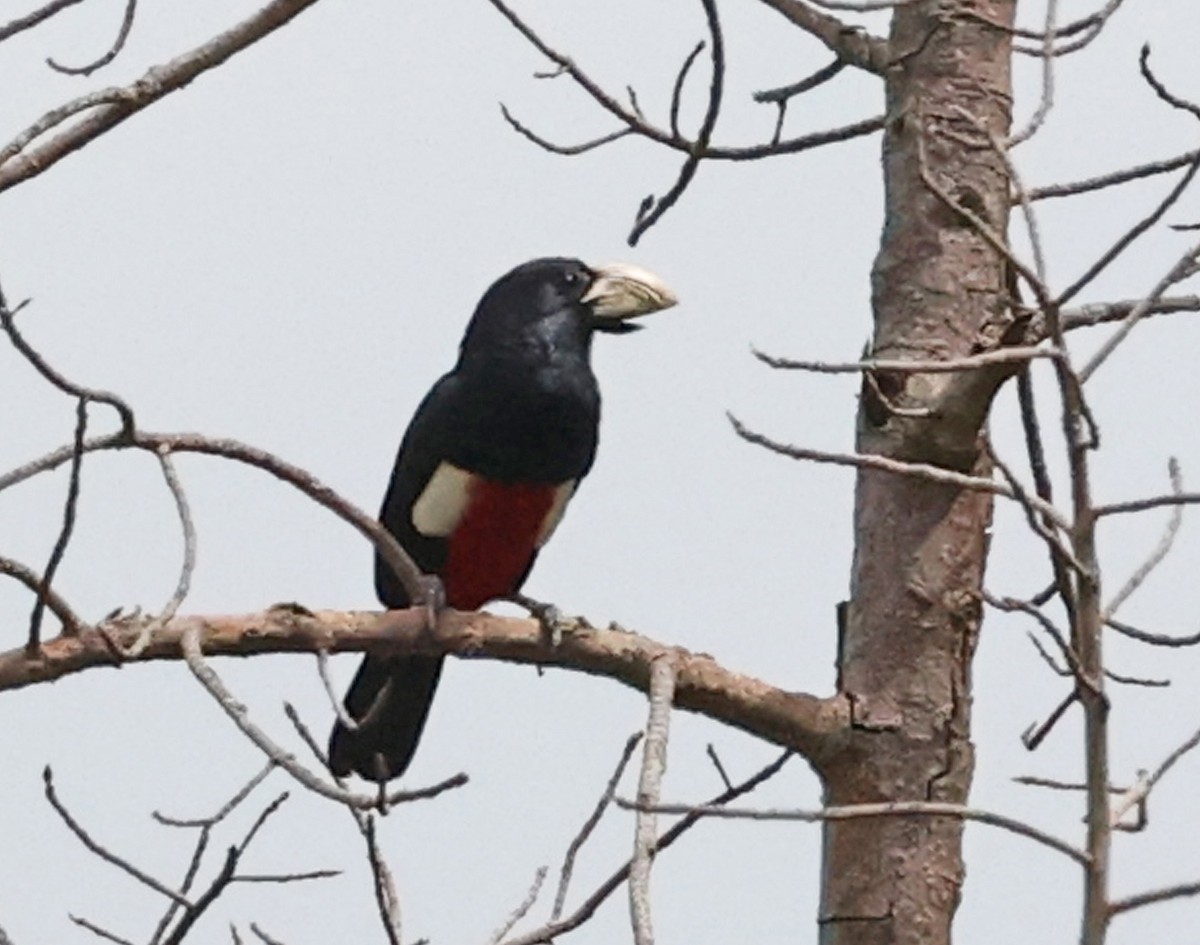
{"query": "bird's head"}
pixel 563 301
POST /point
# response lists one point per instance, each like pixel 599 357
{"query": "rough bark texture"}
pixel 912 622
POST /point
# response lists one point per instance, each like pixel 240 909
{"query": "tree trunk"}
pixel 910 629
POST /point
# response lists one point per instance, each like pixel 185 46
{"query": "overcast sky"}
pixel 287 251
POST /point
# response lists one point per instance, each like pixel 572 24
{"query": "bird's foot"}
pixel 431 596
pixel 293 608
pixel 554 623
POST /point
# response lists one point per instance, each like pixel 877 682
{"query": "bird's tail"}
pixel 390 699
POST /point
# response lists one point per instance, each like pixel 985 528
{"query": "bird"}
pixel 487 466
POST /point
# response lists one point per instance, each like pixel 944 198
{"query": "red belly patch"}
pixel 493 542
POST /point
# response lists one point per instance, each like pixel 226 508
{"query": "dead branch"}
pixel 191 649
pixel 1155 558
pixel 1128 238
pixel 30 20
pixel 1154 639
pixel 387 546
pixel 810 725
pixel 634 121
pixel 649 214
pixel 101 851
pixel 888 809
pixel 113 51
pixel 523 908
pixel 71 623
pixel 952 365
pixel 552 930
pixel 654 766
pixel 567 870
pixel 854 46
pixel 1153 898
pixel 159 81
pixel 924 471
pixel 1114 178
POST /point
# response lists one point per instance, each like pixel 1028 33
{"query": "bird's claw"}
pixel 554 623
pixel 431 596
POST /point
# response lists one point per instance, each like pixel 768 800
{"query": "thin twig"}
pixel 952 365
pixel 522 910
pixel 190 645
pixel 1154 639
pixel 1131 235
pixel 566 872
pixel 1161 550
pixel 886 809
pixel 648 218
pixel 113 51
pixel 70 508
pixel 100 851
pixel 587 909
pixel 71 622
pixel 153 85
pixel 924 471
pixel 30 20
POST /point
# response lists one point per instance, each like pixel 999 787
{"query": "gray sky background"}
pixel 287 252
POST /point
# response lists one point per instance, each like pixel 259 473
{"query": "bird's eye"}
pixel 571 278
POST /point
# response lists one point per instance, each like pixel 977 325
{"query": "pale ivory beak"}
pixel 622 291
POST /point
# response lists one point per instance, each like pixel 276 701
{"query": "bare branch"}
pixel 226 809
pixel 654 766
pixel 385 543
pixel 967 363
pixel 649 215
pixel 1046 102
pixel 1141 791
pixel 70 621
pixel 1161 550
pixel 803 722
pixel 1098 313
pixel 549 932
pixel 780 96
pixel 156 83
pixel 1160 89
pixel 884 464
pixel 568 150
pixel 856 47
pixel 1154 639
pixel 1154 897
pixel 680 82
pixel 610 790
pixel 1141 505
pixel 522 910
pixel 1123 176
pixel 1185 266
pixel 8 323
pixel 113 51
pixel 189 645
pixel 98 930
pixel 30 20
pixel 1127 239
pixel 70 507
pixel 888 809
pixel 100 851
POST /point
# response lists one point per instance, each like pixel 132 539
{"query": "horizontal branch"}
pixel 804 723
pixel 885 809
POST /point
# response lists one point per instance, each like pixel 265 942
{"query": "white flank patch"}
pixel 562 495
pixel 441 505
